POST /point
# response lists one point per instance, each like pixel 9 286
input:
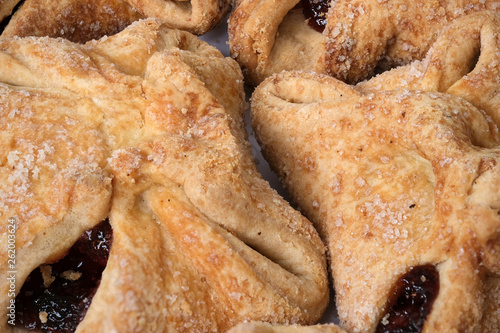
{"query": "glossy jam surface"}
pixel 55 297
pixel 315 12
pixel 411 301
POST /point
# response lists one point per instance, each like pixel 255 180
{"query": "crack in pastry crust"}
pixel 146 127
pixel 395 178
pixel 267 37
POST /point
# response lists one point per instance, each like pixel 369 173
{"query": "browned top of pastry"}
pixel 401 175
pixel 258 327
pixel 78 21
pixel 81 21
pixel 6 7
pixel 359 39
pixel 146 128
pixel 469 69
pixel 394 180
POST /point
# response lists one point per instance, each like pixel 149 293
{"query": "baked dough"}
pixel 80 21
pixel 259 327
pixel 6 7
pixel 129 128
pixel 77 21
pixel 469 69
pixel 266 36
pixel 196 16
pixel 399 183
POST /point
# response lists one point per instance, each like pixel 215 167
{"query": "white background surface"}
pixel 218 38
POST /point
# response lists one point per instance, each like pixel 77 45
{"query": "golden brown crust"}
pixel 6 7
pixel 267 37
pixel 200 240
pixel 258 327
pixel 77 21
pixel 80 21
pixel 195 16
pixel 392 181
pixel 469 69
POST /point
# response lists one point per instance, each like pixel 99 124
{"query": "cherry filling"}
pixel 55 297
pixel 315 13
pixel 411 301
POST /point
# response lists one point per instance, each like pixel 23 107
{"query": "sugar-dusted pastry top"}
pixel 81 21
pixel 402 181
pixel 6 7
pixel 77 21
pixel 469 69
pixel 359 37
pixel 136 141
pixel 259 327
pixel 393 180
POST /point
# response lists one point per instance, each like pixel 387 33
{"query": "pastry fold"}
pixel 398 181
pixel 145 128
pixel 359 39
pixel 469 69
pixel 80 21
pixel 393 180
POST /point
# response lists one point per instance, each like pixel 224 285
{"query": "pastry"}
pixel 403 187
pixel 259 327
pixel 83 21
pixel 129 187
pixel 349 40
pixel 6 7
pixel 469 69
pixel 77 21
pixel 196 16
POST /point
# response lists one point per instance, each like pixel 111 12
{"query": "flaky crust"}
pixel 259 327
pixel 6 7
pixel 77 21
pixel 82 21
pixel 397 174
pixel 267 37
pixel 196 16
pixel 332 136
pixel 469 69
pixel 200 241
pixel 393 180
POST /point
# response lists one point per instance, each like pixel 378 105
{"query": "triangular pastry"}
pixel 132 195
pixel 403 185
pixel 346 39
pixel 81 21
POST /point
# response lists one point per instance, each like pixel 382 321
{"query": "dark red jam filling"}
pixel 411 301
pixel 315 13
pixel 57 299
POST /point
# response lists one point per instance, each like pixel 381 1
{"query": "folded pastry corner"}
pixel 350 40
pixel 132 195
pixel 469 69
pixel 76 21
pixel 195 16
pixel 403 185
pixel 83 21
